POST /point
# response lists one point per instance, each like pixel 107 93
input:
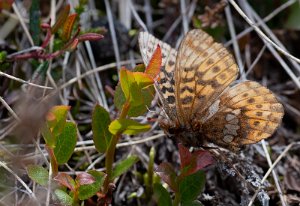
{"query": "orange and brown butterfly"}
pixel 199 104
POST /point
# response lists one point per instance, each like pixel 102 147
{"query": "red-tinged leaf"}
pixel 90 37
pixel 199 160
pixel 6 4
pixel 167 173
pixel 154 65
pixel 63 15
pixel 45 26
pixel 73 45
pixel 65 180
pixel 85 178
pixel 202 159
pixel 185 156
pixel 88 190
pixel 68 27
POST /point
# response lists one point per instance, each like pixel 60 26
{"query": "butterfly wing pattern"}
pixel 202 108
pixel 165 88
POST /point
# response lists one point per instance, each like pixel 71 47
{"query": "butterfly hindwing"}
pixel 246 114
pixel 204 69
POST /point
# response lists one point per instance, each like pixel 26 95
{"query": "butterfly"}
pixel 200 105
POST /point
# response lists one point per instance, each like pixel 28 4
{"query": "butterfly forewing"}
pixel 204 69
pixel 248 113
pixel 148 44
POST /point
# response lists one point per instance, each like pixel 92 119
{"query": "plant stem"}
pixel 110 153
pixel 53 161
pixel 149 184
pixel 176 199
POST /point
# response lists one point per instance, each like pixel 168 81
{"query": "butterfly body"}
pixel 199 105
pixel 187 136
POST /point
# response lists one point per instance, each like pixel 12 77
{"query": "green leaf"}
pixel 161 195
pixel 119 97
pixel 66 143
pixel 192 203
pixel 124 165
pixel 63 197
pixel 136 90
pixel 34 21
pixel 143 80
pixel 38 174
pixel 3 55
pixel 100 123
pixel 127 126
pixel 129 86
pixel 147 95
pixel 88 190
pixel 48 136
pixel 132 84
pixel 56 118
pixel 293 20
pixel 191 186
pixel 63 15
pixel 139 68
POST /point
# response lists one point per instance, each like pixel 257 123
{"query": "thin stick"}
pixel 270 170
pixel 274 173
pixel 183 11
pixel 235 43
pixel 9 109
pixel 112 32
pixel 98 69
pixel 261 33
pixel 3 164
pixel 21 19
pixel 124 144
pixel 23 81
pixel 137 17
